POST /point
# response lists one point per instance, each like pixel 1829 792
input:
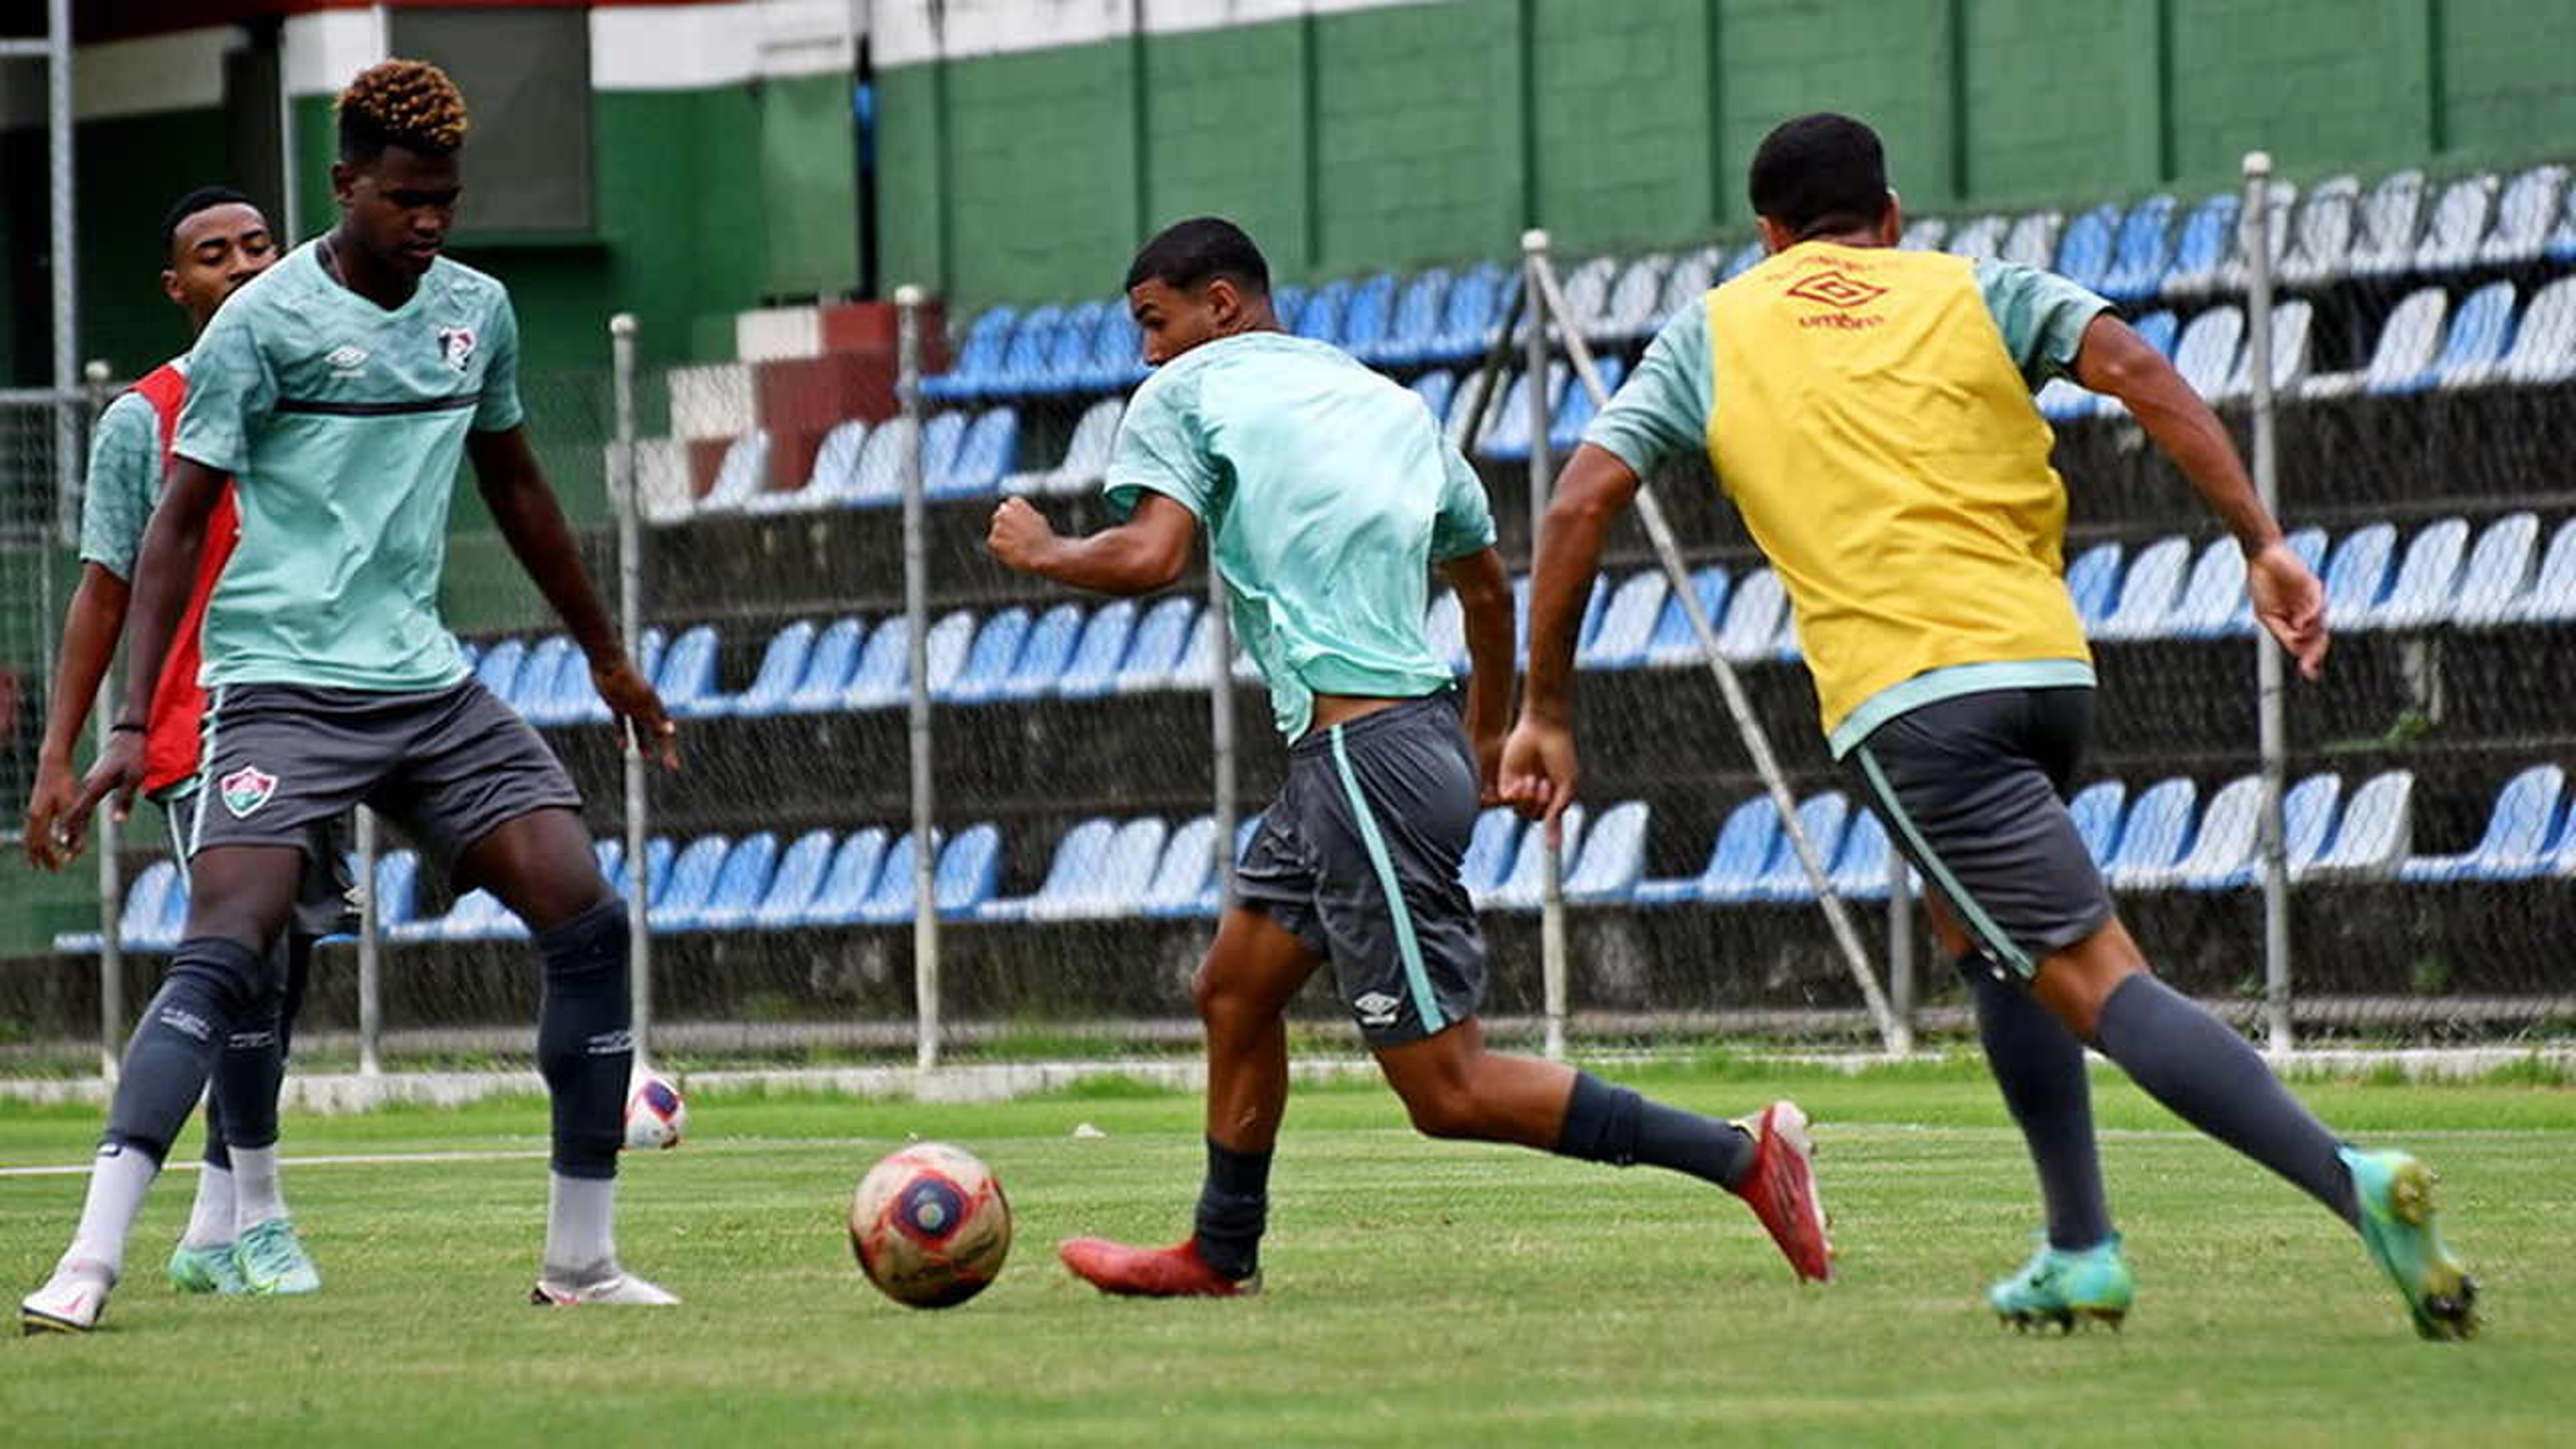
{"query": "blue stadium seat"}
pixel 1823 817
pixel 782 668
pixel 2142 252
pixel 1444 628
pixel 969 867
pixel 1490 850
pixel 2084 253
pixel 1044 655
pixel 1182 877
pixel 2280 205
pixel 741 475
pixel 1156 649
pixel 1526 882
pixel 742 885
pixel 2321 232
pixel 164 932
pixel 2373 835
pixel 1321 317
pixel 2553 585
pixel 397 888
pixel 1613 859
pixel 834 479
pixel 2093 580
pixel 139 918
pixel 1117 358
pixel 793 884
pixel 847 882
pixel 2208 236
pixel 1468 315
pixel 2223 846
pixel 2307 813
pixel 2458 224
pixel 890 899
pixel 1416 323
pixel 1086 455
pixel 1068 358
pixel 1024 361
pixel 1673 642
pixel 1742 848
pixel 2544 342
pixel 2096 811
pixel 1435 389
pixel 1686 285
pixel 1981 236
pixel 2153 837
pixel 2214 595
pixel 984 452
pixel 2207 353
pixel 2523 216
pixel 885 667
pixel 828 667
pixel 1288 303
pixel 1754 619
pixel 478 915
pixel 944 658
pixel 1633 306
pixel 981 358
pixel 2420 593
pixel 687 678
pixel 989 661
pixel 1368 315
pixel 1198 667
pixel 1075 865
pixel 2032 238
pixel 533 693
pixel 1125 868
pixel 1093 669
pixel 1859 870
pixel 2474 349
pixel 2148 592
pixel 1211 898
pixel 2402 361
pixel 498 669
pixel 1575 408
pixel 1627 624
pixel 877 478
pixel 2519 832
pixel 1743 259
pixel 2292 322
pixel 2357 572
pixel 690 885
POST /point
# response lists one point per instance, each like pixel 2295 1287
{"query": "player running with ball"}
pixel 239 1238
pixel 339 391
pixel 1329 495
pixel 1869 412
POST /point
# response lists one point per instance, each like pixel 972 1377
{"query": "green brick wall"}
pixel 1417 135
pixel 1227 130
pixel 2056 97
pixel 1043 164
pixel 2320 83
pixel 1633 82
pixel 2508 75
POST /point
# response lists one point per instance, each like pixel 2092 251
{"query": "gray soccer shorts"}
pixel 447 765
pixel 326 899
pixel 1973 790
pixel 1359 858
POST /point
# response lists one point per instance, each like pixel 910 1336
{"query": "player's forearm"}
pixel 90 628
pixel 1122 560
pixel 2115 360
pixel 1594 488
pixel 1484 591
pixel 163 571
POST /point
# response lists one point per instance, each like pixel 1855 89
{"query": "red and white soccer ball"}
pixel 930 1225
pixel 655 1115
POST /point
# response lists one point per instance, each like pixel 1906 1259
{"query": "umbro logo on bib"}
pixel 246 789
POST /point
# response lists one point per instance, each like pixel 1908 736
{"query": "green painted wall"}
pixel 1390 137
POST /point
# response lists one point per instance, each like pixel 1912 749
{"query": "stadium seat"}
pixel 1587 296
pixel 1462 409
pixel 2552 598
pixel 1614 857
pixel 1321 317
pixel 2093 581
pixel 1491 848
pixel 1575 408
pixel 2213 595
pixel 1181 878
pixel 1068 358
pixel 1092 670
pixel 1076 864
pixel 397 888
pixel 877 479
pixel 1981 236
pixel 2032 241
pixel 1155 651
pixel 1627 624
pixel 532 694
pixel 1741 260
pixel 884 670
pixel 2544 342
pixel 1435 388
pixel 1923 234
pixel 742 476
pixel 2206 355
pixel 1024 361
pixel 983 453
pixel 1086 454
pixel 2357 573
pixel 1685 285
pixel 2061 401
pixel 2234 275
pixel 941 438
pixel 2373 835
pixel 147 901
pixel 2523 216
pixel 847 882
pixel 782 668
pixel 969 866
pixel 478 915
pixel 1507 435
pixel 2152 837
pixel 2562 238
pixel 988 662
pixel 2458 225
pixel 944 656
pixel 795 883
pixel 1523 886
pixel 2519 831
pixel 1126 869
pixel 1212 895
pixel 678 905
pixel 1444 628
pixel 1468 314
pixel 1743 845
pixel 2222 845
pixel 828 667
pixel 2321 232
pixel 2307 812
pixel 1415 323
pixel 2426 582
pixel 980 358
pixel 1197 667
pixel 2292 322
pixel 2208 235
pixel 2149 592
pixel 498 668
pixel 2498 574
pixel 740 886
pixel 1368 315
pixel 1822 818
pixel 2473 349
pixel 1674 642
pixel 1116 359
pixel 1630 310
pixel 1859 869
pixel 1044 655
pixel 2096 811
pixel 2084 254
pixel 1754 619
pixel 2391 218
pixel 1288 303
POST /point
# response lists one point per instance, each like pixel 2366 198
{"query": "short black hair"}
pixel 1187 253
pixel 1820 173
pixel 204 198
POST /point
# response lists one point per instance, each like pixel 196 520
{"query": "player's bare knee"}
pixel 1443 1107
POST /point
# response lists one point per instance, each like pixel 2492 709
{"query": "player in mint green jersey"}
pixel 340 391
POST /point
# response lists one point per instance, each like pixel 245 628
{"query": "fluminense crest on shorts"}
pixel 246 789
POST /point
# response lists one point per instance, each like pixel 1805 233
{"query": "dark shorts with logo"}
pixel 1973 790
pixel 1359 858
pixel 447 765
pixel 326 899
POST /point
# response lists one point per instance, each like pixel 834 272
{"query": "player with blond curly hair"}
pixel 340 390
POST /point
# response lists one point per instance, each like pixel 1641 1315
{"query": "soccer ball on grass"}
pixel 930 1225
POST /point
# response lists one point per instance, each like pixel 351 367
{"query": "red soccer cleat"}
pixel 1782 1189
pixel 1175 1272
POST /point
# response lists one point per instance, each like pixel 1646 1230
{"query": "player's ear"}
pixel 170 286
pixel 344 182
pixel 1225 302
pixel 1775 237
pixel 1891 219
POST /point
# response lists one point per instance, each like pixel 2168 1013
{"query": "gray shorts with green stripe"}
pixel 1973 790
pixel 1359 857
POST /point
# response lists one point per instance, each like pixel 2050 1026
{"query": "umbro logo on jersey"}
pixel 246 789
pixel 1836 290
pixel 346 358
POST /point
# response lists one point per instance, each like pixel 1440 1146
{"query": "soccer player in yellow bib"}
pixel 1869 412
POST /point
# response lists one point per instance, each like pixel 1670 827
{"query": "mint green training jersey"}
pixel 342 425
pixel 1327 492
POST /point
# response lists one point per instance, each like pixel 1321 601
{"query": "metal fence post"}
pixel 916 608
pixel 111 865
pixel 371 921
pixel 2255 231
pixel 623 483
pixel 1542 470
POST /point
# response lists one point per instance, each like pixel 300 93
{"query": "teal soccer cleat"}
pixel 2396 1196
pixel 272 1260
pixel 206 1270
pixel 2061 1287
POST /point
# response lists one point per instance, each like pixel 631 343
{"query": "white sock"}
pixel 118 1179
pixel 257 1197
pixel 210 1222
pixel 581 1214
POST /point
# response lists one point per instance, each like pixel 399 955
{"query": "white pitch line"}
pixel 371 1159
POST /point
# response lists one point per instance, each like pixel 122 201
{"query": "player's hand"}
pixel 117 774
pixel 1539 772
pixel 642 724
pixel 1020 535
pixel 1489 766
pixel 2291 605
pixel 50 845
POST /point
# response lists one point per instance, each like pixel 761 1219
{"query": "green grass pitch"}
pixel 1418 1292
